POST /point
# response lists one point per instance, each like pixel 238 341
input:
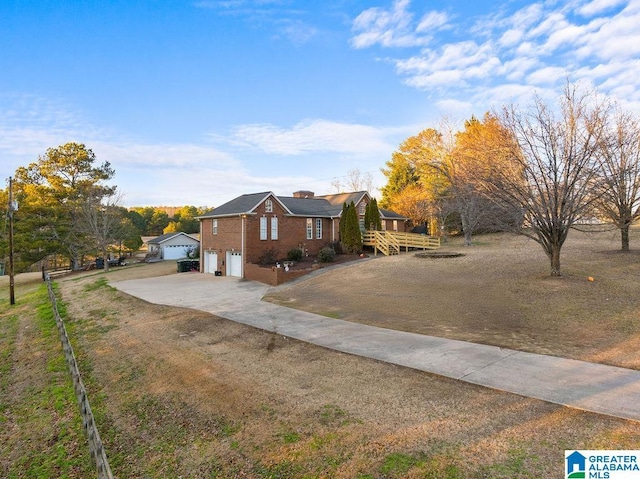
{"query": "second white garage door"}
pixel 234 264
pixel 175 251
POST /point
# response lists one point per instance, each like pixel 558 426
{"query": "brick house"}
pixel 239 232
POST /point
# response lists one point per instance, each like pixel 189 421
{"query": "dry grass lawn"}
pixel 181 393
pixel 499 293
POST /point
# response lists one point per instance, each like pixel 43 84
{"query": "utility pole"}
pixel 12 296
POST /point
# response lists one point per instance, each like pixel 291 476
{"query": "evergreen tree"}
pixel 367 217
pixel 52 193
pixel 343 219
pixel 374 221
pixel 351 236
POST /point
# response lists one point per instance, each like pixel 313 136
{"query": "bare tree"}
pixel 617 195
pixel 358 181
pixel 554 163
pixel 101 222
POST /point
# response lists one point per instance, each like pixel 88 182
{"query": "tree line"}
pixel 68 210
pixel 538 171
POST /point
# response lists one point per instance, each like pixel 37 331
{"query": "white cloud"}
pixel 511 37
pixel 598 6
pixel 547 76
pixel 431 21
pixel 455 64
pixel 177 156
pixel 519 67
pixel 528 16
pixel 616 38
pixel 312 136
pixel 395 27
pixel 440 78
pixel 512 51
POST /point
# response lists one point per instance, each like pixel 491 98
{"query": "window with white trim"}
pixel 274 228
pixel 263 228
pixel 309 228
pixel 363 208
pixel 318 228
pixel 214 227
pixel 268 206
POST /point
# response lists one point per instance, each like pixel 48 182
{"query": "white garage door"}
pixel 234 264
pixel 210 262
pixel 175 251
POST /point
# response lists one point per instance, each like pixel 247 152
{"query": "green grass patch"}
pixel 8 332
pixel 48 440
pixel 335 416
pixel 397 464
pixel 513 466
pixel 290 437
pixel 97 284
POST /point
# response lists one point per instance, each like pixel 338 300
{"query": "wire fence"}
pixel 88 422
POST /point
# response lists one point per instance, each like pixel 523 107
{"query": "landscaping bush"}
pixel 326 255
pixel 268 257
pixel 336 246
pixel 294 255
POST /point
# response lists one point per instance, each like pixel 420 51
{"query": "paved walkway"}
pixel 578 384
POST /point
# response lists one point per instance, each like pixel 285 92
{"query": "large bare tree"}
pixel 355 181
pixel 102 222
pixel 554 164
pixel 617 194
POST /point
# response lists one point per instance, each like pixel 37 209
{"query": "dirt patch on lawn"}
pixel 185 393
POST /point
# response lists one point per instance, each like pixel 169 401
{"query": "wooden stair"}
pixel 391 242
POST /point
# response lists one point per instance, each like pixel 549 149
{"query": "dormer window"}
pixel 268 206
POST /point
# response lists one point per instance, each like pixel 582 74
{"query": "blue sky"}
pixel 196 102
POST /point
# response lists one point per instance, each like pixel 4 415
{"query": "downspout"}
pixel 242 252
pixel 201 250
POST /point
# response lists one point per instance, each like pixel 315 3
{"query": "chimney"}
pixel 303 194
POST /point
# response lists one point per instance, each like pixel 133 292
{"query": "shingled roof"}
pixel 167 236
pixel 327 206
pixel 246 204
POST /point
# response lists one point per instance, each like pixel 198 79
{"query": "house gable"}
pixel 244 205
pixel 171 237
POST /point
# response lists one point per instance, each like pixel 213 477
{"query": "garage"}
pixel 234 264
pixel 172 246
pixel 210 262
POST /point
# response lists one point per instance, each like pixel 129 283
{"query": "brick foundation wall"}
pixel 272 275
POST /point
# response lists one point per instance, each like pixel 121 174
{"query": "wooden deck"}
pixel 392 242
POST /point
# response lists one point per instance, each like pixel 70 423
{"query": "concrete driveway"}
pixel 587 386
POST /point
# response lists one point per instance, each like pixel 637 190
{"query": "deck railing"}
pixel 391 242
